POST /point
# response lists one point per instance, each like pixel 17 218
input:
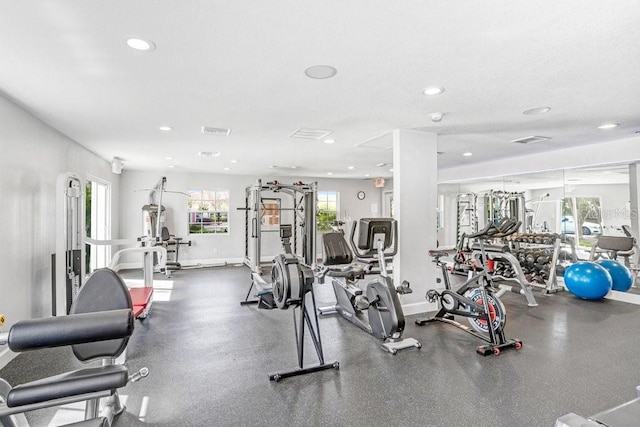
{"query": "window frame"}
pixel 324 226
pixel 217 218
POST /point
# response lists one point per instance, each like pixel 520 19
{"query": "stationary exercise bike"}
pixel 476 299
pixel 384 318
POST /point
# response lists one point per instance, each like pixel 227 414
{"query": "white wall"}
pixel 214 248
pixel 32 156
pixel 625 150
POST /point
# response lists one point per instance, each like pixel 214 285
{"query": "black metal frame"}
pixel 305 276
pixel 314 333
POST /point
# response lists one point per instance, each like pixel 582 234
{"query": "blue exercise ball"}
pixel 621 276
pixel 588 280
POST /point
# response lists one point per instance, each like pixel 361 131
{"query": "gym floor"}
pixel 210 358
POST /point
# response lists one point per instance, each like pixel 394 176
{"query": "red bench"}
pixel 141 299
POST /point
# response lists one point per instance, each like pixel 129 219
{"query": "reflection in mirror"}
pixel 596 199
pixel 535 199
pixel 543 193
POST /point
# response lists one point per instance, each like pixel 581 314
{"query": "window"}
pixel 270 214
pixel 97 220
pixel 327 209
pixel 208 211
pixel 585 211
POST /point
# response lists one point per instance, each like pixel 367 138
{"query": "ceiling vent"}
pixel 305 133
pixel 530 139
pixel 382 142
pixel 215 131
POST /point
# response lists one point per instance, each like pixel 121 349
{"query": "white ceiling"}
pixel 240 65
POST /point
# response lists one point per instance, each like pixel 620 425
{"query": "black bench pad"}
pixel 81 381
pixel 348 270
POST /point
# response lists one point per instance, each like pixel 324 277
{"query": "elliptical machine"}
pixel 476 299
pixel 384 318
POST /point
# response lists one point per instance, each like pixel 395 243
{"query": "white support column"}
pixel 415 193
pixel 634 197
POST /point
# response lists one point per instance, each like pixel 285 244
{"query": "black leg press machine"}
pixel 97 329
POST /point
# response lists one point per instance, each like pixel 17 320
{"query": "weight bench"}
pixel 92 335
pixel 141 298
pixel 614 247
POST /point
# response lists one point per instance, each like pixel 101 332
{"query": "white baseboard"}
pixel 419 307
pixel 6 356
pixel 624 297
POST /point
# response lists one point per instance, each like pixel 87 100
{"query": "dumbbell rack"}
pixel 550 284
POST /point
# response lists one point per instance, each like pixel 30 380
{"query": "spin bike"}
pixel 384 316
pixel 476 299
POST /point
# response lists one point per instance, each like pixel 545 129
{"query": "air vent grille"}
pixel 215 131
pixel 306 133
pixel 383 142
pixel 530 139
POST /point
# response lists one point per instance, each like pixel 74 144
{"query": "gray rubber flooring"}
pixel 210 358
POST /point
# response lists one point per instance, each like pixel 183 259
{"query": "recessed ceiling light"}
pixel 272 167
pixel 329 173
pixel 216 154
pixel 227 169
pixel 366 175
pixel 294 167
pixel 430 91
pixel 234 161
pixel 381 165
pixel 391 170
pixel 168 158
pixel 141 44
pixel 351 167
pixel 467 154
pixel 320 72
pixel 608 126
pixel 172 166
pixel 536 110
pixel 166 128
pixel 330 141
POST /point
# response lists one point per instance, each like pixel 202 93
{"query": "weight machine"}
pixel 497 205
pixel 153 225
pixel 68 262
pixel 467 218
pixel 303 228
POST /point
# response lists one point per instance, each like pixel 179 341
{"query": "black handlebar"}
pixel 504 228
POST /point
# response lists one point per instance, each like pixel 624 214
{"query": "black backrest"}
pixel 335 249
pixel 164 234
pixel 615 243
pixel 104 290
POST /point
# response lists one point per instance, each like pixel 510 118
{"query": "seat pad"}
pixel 81 381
